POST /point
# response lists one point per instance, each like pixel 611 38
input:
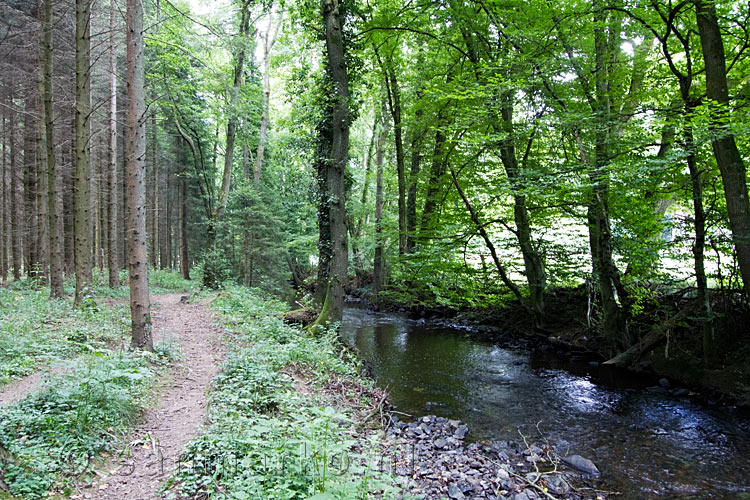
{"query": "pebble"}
pixel 435 461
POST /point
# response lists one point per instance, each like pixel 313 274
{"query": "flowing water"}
pixel 646 443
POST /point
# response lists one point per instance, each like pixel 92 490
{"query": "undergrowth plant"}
pixel 36 330
pixel 49 438
pixel 268 440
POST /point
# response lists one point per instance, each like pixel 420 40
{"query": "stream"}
pixel 646 442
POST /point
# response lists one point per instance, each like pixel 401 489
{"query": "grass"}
pixel 49 438
pixel 267 439
pixel 35 330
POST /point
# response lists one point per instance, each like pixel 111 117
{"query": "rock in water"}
pixel 581 464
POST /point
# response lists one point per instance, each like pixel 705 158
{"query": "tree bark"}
pixel 112 188
pixel 728 158
pixel 54 220
pixel 184 250
pixel 411 194
pixel 333 306
pixel 82 152
pixel 269 41
pixel 16 201
pixel 152 220
pixel 32 264
pixel 378 267
pixel 3 203
pixel 140 306
pixel 429 220
pixel 394 105
pixel 533 265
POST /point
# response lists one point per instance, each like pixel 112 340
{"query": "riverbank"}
pixel 672 346
pixel 292 416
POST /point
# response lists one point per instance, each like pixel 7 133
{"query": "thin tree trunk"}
pixel 140 306
pixel 378 267
pixel 3 202
pixel 728 158
pixel 16 201
pixel 411 194
pixel 533 265
pixel 263 134
pixel 232 123
pixel 486 237
pixel 394 105
pixel 429 212
pixel 184 251
pixel 55 223
pixel 30 221
pixel 82 153
pixel 153 190
pixel 112 188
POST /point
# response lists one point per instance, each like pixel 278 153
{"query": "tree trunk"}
pixel 533 265
pixel 486 237
pixel 112 188
pixel 140 306
pixel 232 123
pixel 333 306
pixel 600 236
pixel 378 267
pixel 153 213
pixel 437 165
pixel 16 201
pixel 82 153
pixel 30 183
pixel 394 105
pixel 269 41
pixel 3 203
pixel 411 195
pixel 184 251
pixel 728 158
pixel 55 223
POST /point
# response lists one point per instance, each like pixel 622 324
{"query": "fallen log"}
pixel 656 335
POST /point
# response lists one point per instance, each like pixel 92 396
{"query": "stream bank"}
pixel 647 442
pixel 570 331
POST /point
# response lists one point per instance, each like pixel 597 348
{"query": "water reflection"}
pixel 649 444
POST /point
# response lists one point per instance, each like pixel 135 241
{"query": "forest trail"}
pixel 176 417
pixel 19 389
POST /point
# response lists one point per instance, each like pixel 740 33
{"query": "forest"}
pixel 248 200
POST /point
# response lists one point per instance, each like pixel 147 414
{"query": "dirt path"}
pixel 19 389
pixel 180 409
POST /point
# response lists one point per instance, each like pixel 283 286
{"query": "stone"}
pixel 455 492
pixel 581 464
pixel 558 485
pixel 440 443
pixel 664 383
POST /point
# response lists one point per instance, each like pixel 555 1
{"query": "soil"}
pixel 19 389
pixel 139 470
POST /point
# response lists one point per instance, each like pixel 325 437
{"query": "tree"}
pixel 112 188
pixel 334 197
pixel 728 157
pixel 140 305
pixel 82 153
pixel 55 226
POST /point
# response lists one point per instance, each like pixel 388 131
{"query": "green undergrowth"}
pixel 160 281
pixel 268 440
pixel 35 330
pixel 48 439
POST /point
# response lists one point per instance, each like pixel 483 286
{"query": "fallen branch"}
pixel 657 334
